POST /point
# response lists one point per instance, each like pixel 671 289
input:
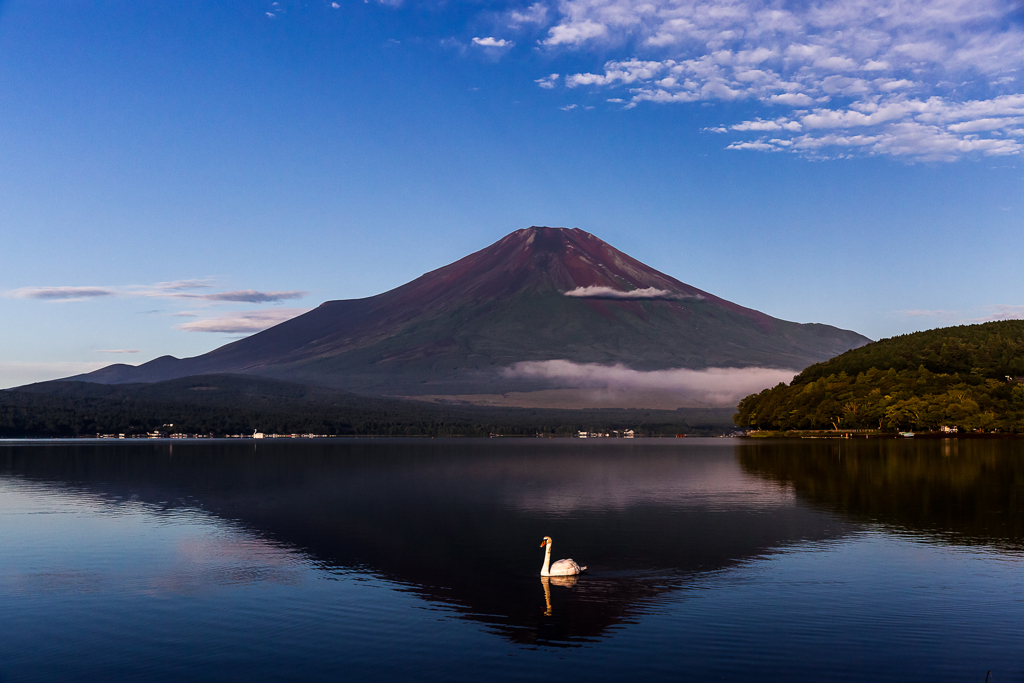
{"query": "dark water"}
pixel 419 560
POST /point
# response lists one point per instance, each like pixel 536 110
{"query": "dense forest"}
pixel 970 377
pixel 233 404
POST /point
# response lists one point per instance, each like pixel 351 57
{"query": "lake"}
pixel 708 559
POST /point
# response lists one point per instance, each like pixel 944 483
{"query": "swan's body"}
pixel 559 568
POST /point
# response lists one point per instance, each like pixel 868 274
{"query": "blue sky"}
pixel 175 175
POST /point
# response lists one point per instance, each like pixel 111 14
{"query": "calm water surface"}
pixel 711 559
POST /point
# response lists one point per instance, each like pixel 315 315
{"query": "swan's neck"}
pixel 546 569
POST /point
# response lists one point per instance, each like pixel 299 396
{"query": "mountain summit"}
pixel 538 295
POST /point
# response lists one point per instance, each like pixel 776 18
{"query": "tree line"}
pixel 970 377
pixel 231 405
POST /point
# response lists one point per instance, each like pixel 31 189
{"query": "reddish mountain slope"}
pixel 454 329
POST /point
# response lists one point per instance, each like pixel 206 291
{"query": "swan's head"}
pixel 547 539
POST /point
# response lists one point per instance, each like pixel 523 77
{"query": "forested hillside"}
pixel 970 377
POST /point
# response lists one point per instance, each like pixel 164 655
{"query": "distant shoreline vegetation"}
pixel 231 405
pixel 969 378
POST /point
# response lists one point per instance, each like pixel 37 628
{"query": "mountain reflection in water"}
pixel 967 492
pixel 458 522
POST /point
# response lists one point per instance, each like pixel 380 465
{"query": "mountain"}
pixel 538 295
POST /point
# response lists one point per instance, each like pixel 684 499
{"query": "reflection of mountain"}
pixel 460 525
pixel 969 491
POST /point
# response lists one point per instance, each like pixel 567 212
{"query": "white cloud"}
pixel 599 292
pixel 757 146
pixel 568 107
pixel 758 124
pixel 985 124
pixel 888 85
pixel 547 82
pixel 935 129
pixel 243 321
pixel 854 62
pixel 575 33
pixel 621 72
pixel 536 13
pixel 117 350
pixel 719 386
pixel 490 41
pixel 661 39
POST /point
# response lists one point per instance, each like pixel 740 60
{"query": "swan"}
pixel 560 568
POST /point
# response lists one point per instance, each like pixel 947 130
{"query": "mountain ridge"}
pixel 538 294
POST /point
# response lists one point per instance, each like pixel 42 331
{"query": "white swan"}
pixel 560 568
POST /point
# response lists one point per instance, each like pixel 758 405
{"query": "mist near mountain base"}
pixel 715 386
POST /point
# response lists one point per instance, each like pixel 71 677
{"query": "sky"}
pixel 174 176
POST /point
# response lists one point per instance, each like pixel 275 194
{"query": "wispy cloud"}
pixel 720 386
pixel 548 82
pixel 981 314
pixel 537 13
pixel 179 285
pixel 238 322
pixel 181 289
pixel 60 293
pixel 117 350
pixel 597 292
pixel 250 296
pixel 1004 312
pixel 490 41
pixel 931 79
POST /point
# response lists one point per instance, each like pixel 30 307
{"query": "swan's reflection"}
pixel 547 581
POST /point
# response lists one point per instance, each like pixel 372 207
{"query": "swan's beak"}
pixel 543 543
